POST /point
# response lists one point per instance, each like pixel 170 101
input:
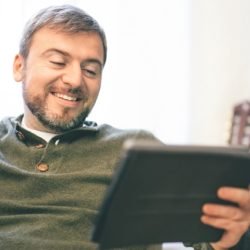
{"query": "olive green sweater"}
pixel 50 192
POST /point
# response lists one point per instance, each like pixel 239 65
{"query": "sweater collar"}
pixel 87 128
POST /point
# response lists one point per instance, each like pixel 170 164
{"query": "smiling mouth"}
pixel 66 97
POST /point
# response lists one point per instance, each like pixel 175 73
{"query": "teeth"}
pixel 66 97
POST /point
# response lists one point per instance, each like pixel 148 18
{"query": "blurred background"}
pixel 175 67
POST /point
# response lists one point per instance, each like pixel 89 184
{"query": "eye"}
pixel 58 63
pixel 90 73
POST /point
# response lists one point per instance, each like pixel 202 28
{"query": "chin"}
pixel 64 123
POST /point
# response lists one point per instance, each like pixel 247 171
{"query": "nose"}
pixel 72 75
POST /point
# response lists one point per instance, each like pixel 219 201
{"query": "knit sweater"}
pixel 51 192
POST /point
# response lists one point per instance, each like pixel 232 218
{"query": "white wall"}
pixel 220 66
pixel 10 26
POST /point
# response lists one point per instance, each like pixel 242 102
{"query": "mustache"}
pixel 79 93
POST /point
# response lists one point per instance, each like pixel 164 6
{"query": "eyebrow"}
pixel 66 54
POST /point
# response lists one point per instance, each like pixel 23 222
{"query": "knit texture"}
pixel 55 209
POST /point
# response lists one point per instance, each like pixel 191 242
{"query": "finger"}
pixel 237 195
pixel 235 228
pixel 233 231
pixel 222 211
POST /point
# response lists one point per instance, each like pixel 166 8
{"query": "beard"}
pixel 51 120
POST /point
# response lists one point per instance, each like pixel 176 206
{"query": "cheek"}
pixel 94 89
pixel 39 80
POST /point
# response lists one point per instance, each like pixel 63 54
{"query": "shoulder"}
pixel 7 124
pixel 108 132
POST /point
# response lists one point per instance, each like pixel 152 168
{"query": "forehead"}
pixel 81 43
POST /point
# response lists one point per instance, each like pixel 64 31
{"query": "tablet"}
pixel 157 192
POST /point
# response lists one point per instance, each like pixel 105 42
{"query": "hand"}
pixel 234 220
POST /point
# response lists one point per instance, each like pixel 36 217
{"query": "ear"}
pixel 18 68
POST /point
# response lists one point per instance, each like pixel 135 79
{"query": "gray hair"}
pixel 66 18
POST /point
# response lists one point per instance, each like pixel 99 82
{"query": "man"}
pixel 55 165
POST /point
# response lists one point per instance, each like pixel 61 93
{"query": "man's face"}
pixel 61 78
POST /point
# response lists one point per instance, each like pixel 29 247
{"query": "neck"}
pixel 33 123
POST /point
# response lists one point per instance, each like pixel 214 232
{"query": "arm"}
pixel 234 220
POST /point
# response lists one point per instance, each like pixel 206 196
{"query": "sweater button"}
pixel 42 167
pixel 20 135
